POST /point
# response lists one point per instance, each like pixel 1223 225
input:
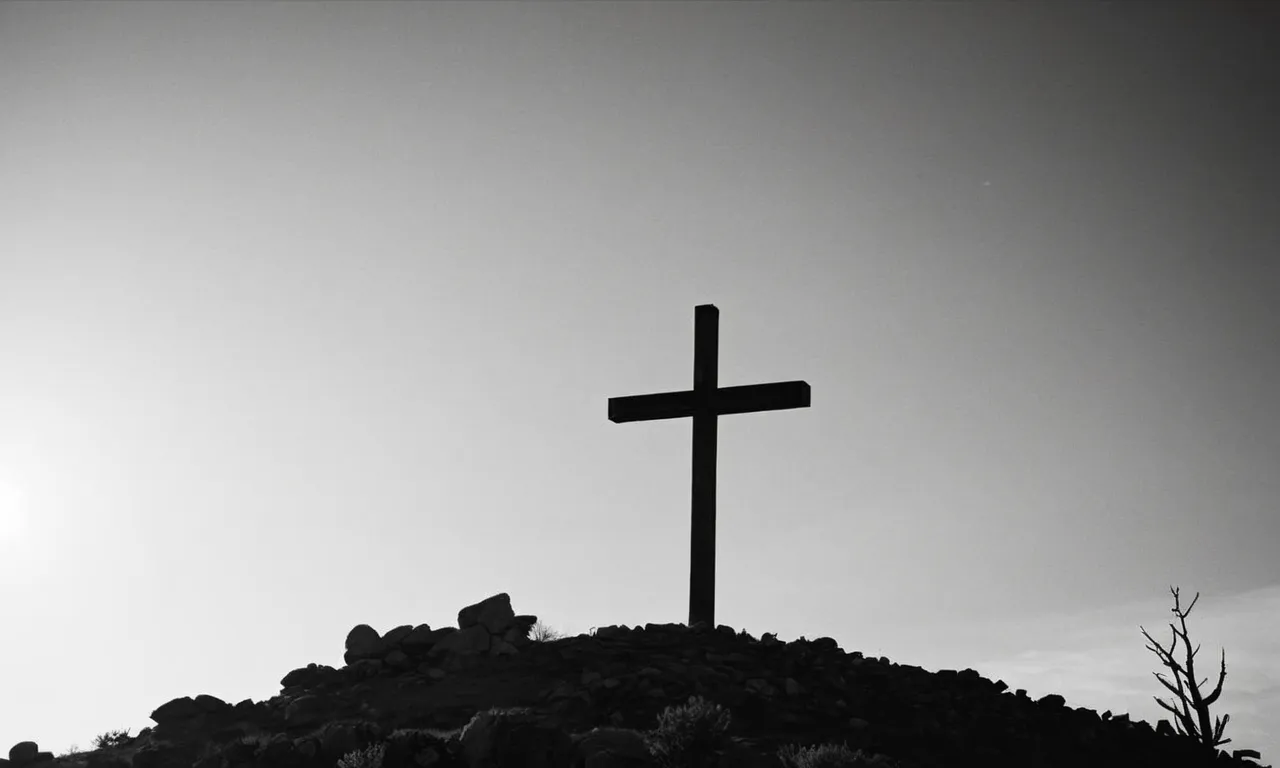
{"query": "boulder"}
pixel 23 752
pixel 518 739
pixel 363 642
pixel 418 640
pixel 394 637
pixel 176 711
pixel 305 677
pixel 473 640
pixel 493 612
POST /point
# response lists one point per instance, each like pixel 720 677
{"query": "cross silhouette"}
pixel 704 403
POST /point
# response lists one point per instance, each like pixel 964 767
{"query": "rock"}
pixel 366 668
pixel 306 677
pixel 211 704
pixel 494 613
pixel 519 739
pixel 517 637
pixel 176 711
pixel 474 639
pixel 393 638
pixel 363 642
pixel 420 639
pixel 23 752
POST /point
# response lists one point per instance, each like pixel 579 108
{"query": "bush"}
pixel 827 756
pixel 112 739
pixel 541 633
pixel 369 757
pixel 690 735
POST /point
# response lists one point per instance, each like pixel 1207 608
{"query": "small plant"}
pixel 541 633
pixel 112 739
pixel 1184 722
pixel 828 756
pixel 369 757
pixel 72 752
pixel 690 735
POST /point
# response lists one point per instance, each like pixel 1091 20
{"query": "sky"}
pixel 310 314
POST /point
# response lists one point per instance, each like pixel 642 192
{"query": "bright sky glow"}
pixel 13 513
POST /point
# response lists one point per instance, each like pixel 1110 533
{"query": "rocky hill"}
pixel 484 694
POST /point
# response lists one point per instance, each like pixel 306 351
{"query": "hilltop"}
pixel 485 694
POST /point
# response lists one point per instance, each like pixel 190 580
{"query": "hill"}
pixel 484 694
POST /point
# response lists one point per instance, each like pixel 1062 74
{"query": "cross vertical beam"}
pixel 702 535
pixel 705 403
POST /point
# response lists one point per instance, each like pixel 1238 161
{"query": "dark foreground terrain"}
pixel 484 694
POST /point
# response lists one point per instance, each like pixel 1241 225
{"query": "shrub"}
pixel 828 756
pixel 1184 722
pixel 541 633
pixel 369 757
pixel 492 713
pixel 112 739
pixel 690 735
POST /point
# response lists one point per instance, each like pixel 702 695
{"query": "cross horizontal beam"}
pixel 777 396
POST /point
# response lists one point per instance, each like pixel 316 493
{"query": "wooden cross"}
pixel 704 403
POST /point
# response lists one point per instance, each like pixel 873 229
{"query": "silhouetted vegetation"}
pixel 1190 696
pixel 112 739
pixel 541 633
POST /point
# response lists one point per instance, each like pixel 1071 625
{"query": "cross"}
pixel 704 403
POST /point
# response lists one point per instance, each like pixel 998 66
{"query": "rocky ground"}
pixel 483 694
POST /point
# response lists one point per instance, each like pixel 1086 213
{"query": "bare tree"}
pixel 1186 725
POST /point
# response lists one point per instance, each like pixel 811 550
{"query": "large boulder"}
pixel 211 704
pixel 363 642
pixel 23 752
pixel 494 613
pixel 176 711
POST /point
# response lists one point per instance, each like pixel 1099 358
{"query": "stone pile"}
pixel 590 701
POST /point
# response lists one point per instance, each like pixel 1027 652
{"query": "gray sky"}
pixel 310 314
